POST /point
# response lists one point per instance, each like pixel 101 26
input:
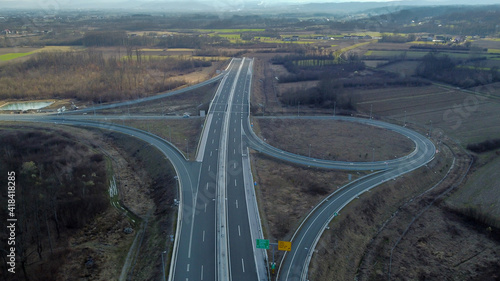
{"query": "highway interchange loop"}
pixel 295 263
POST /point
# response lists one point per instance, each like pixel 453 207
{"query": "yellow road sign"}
pixel 284 246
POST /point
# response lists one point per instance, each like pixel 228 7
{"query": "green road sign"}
pixel 262 244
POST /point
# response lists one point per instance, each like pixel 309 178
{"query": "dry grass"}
pixel 334 140
pixel 358 222
pixel 444 246
pixel 481 191
pixel 286 193
pixel 184 133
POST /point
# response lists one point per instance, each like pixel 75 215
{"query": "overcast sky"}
pixel 71 4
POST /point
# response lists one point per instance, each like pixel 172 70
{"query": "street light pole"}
pixel 430 129
pixel 163 265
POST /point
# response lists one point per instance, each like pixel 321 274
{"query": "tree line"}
pixel 99 38
pixel 90 76
pixel 329 93
pixel 485 146
pixel 443 68
pixel 318 65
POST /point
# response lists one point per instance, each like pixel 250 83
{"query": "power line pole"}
pixel 163 264
pixel 430 129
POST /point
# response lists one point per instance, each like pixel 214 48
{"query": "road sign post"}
pixel 284 246
pixel 262 244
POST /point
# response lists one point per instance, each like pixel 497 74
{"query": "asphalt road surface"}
pixel 198 257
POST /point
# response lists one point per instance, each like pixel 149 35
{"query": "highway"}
pixel 213 211
pixel 217 244
pixel 424 148
pixel 295 264
pixel 214 240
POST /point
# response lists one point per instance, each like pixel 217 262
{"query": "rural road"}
pixel 214 240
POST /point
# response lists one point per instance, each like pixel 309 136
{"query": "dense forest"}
pixel 60 186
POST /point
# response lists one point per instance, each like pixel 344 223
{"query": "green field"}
pixel 268 39
pixel 12 56
pixel 230 30
pixel 417 54
pixel 343 50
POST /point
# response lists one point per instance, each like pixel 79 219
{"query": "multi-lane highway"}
pixel 215 238
pixel 296 263
pixel 215 241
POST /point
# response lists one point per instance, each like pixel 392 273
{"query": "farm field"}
pixel 467 117
pixel 230 30
pixel 416 54
pixel 404 68
pixel 11 56
pixel 22 53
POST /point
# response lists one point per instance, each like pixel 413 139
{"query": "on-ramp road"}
pixel 214 240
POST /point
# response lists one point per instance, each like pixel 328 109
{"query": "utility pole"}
pixel 430 129
pixel 163 264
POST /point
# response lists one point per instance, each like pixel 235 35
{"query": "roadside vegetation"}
pixel 68 226
pixel 61 186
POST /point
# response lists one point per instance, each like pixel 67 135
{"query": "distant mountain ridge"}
pixel 257 6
